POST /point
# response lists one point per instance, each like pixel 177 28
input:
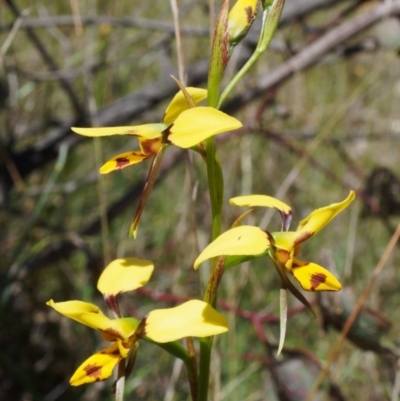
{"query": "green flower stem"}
pixel 216 190
pixel 270 20
pixel 176 349
pixel 204 368
pixel 216 187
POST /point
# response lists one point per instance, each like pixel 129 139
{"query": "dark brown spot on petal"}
pixel 121 162
pixel 316 280
pixel 132 133
pixel 165 134
pixel 150 146
pixel 302 237
pixel 250 14
pixel 112 333
pixel 93 371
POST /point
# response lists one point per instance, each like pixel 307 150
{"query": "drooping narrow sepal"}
pixel 151 179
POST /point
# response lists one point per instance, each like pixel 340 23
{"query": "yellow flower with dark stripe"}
pixel 193 318
pixel 182 125
pixel 282 246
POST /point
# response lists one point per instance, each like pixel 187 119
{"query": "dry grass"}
pixel 342 116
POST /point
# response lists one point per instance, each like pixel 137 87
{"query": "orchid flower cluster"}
pixel 189 125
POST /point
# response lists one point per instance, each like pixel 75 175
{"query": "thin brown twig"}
pixel 179 51
pixel 336 348
pixel 79 110
pixel 121 22
pixel 77 17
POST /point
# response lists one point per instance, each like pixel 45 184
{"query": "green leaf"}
pixel 231 261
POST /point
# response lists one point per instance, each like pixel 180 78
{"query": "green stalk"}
pixel 204 368
pixel 191 367
pixel 216 190
pixel 270 20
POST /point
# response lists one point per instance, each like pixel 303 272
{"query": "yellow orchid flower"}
pixel 311 276
pixel 283 246
pixel 182 126
pixel 193 318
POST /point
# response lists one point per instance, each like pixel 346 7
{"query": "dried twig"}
pixel 336 348
pixel 79 110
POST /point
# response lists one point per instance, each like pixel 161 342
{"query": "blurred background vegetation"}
pixel 316 124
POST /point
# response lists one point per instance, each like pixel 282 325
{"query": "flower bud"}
pixel 240 19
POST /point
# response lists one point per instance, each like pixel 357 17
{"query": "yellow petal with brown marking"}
pixel 90 315
pixel 97 368
pixel 313 277
pixel 123 160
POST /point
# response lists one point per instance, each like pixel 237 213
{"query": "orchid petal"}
pixel 90 315
pixel 313 277
pixel 120 329
pixel 98 367
pixel 149 131
pixel 195 125
pixel 260 200
pixel 123 275
pixel 242 240
pixel 179 104
pixel 319 218
pixel 122 160
pixel 75 309
pixel 193 318
pixel 265 201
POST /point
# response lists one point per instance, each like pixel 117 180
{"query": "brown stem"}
pixel 192 370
